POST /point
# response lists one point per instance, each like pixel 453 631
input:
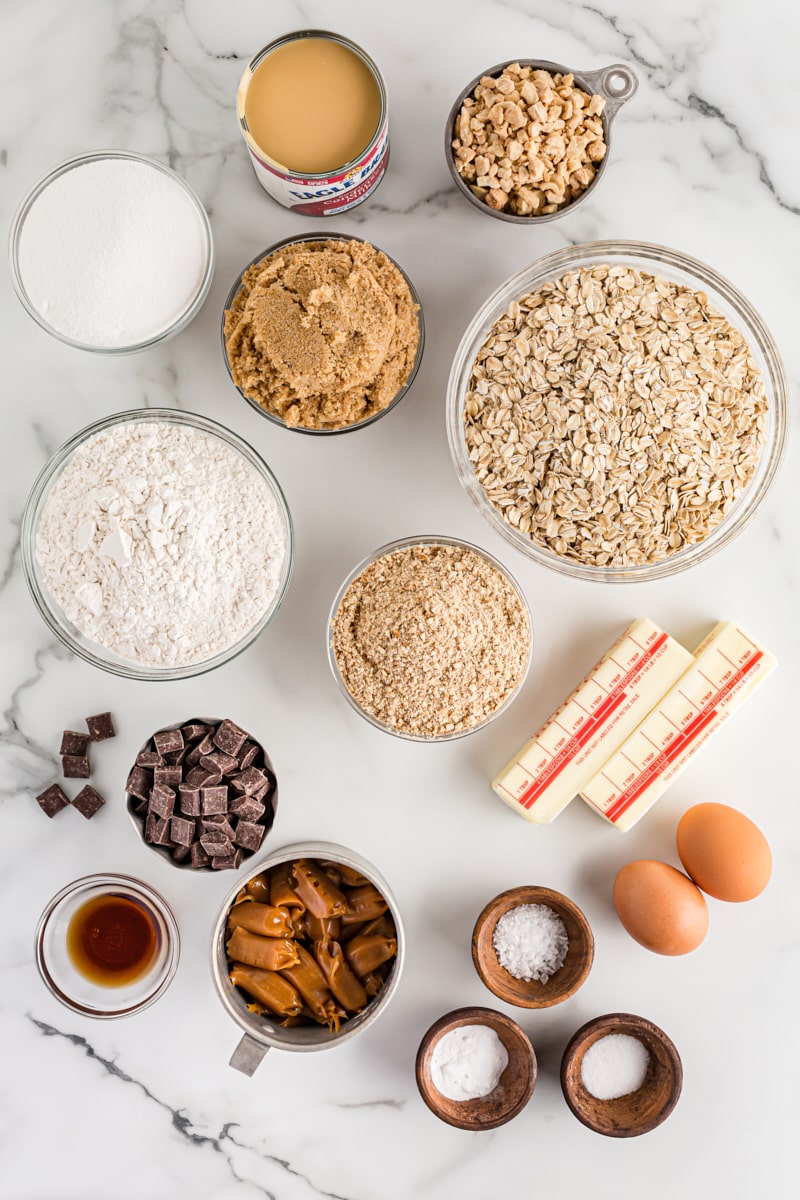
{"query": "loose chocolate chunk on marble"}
pixel 101 726
pixel 168 740
pixel 74 743
pixel 194 731
pixel 180 853
pixel 229 737
pixel 200 856
pixel 52 800
pixel 140 783
pixel 156 830
pixel 162 801
pixel 88 802
pixel 168 776
pixel 149 758
pixel 189 800
pixel 248 835
pixel 218 761
pixel 248 755
pixel 250 781
pixel 247 809
pixel 75 766
pixel 213 800
pixel 181 831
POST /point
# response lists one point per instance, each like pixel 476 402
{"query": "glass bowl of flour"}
pixel 111 252
pixel 157 544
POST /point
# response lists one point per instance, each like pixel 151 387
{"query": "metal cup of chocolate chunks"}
pixel 202 794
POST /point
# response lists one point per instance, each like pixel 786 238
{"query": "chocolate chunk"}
pixel 248 755
pixel 200 777
pixel 217 761
pixel 181 831
pixel 213 800
pixel 189 800
pixel 193 756
pixel 149 758
pixel 248 835
pixel 168 776
pixel 140 783
pixel 214 843
pixel 175 757
pixel 219 824
pixel 227 862
pixel 75 766
pixel 101 727
pixel 247 809
pixel 180 853
pixel 88 802
pixel 207 744
pixel 200 856
pixel 229 737
pixel 194 731
pixel 250 781
pixel 162 801
pixel 52 800
pixel 73 743
pixel 168 740
pixel 156 830
pixel 141 806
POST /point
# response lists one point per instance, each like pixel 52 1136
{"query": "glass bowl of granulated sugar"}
pixel 111 252
pixel 157 544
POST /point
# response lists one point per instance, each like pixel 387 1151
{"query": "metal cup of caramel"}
pixel 313 113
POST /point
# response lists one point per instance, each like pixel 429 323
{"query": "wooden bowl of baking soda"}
pixel 621 1075
pixel 475 1068
pixel 532 947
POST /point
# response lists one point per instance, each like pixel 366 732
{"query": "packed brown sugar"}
pixel 322 335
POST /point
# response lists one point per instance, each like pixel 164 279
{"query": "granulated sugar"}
pixel 161 543
pixel 113 252
pixel 531 942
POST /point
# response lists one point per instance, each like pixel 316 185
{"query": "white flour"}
pixel 161 543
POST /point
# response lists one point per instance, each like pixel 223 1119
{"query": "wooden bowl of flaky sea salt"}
pixel 532 947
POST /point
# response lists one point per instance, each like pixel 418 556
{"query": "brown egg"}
pixel 659 907
pixel 724 852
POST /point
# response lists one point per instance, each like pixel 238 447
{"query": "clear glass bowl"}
pixel 678 268
pixel 71 987
pixel 392 548
pixel 324 237
pixel 193 306
pixel 52 613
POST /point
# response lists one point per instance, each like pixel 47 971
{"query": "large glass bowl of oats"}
pixel 617 411
pixel 430 638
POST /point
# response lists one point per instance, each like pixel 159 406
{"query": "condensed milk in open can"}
pixel 313 113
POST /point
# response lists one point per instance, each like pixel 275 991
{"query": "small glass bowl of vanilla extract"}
pixel 107 946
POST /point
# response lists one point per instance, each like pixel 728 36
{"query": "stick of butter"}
pixel 727 667
pixel 581 735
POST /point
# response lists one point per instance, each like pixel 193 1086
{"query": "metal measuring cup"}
pixel 616 84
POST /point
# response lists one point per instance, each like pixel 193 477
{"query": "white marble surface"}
pixel 704 160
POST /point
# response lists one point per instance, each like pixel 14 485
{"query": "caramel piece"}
pixel 368 951
pixel 309 981
pixel 258 887
pixel 375 980
pixel 262 919
pixel 346 988
pixel 319 928
pixel 281 891
pixel 268 988
pixel 365 903
pixel 271 953
pixel 318 892
pixel 348 876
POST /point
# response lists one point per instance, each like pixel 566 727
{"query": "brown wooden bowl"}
pixel 561 985
pixel 638 1112
pixel 516 1083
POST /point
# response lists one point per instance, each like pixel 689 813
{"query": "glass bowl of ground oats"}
pixel 323 333
pixel 429 638
pixel 618 411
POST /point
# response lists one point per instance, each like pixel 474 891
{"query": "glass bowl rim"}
pixel 37 497
pixel 392 548
pixel 296 239
pixel 125 883
pixel 24 208
pixel 748 322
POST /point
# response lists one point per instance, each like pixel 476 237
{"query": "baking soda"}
pixel 467 1062
pixel 614 1066
pixel 113 252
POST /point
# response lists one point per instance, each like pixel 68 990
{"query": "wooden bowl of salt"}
pixel 539 929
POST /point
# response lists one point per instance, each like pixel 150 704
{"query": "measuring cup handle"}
pixel 616 84
pixel 247 1056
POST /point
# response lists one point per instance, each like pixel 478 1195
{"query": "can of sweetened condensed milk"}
pixel 313 113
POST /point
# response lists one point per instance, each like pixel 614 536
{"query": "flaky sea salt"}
pixel 614 1066
pixel 113 252
pixel 161 543
pixel 531 942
